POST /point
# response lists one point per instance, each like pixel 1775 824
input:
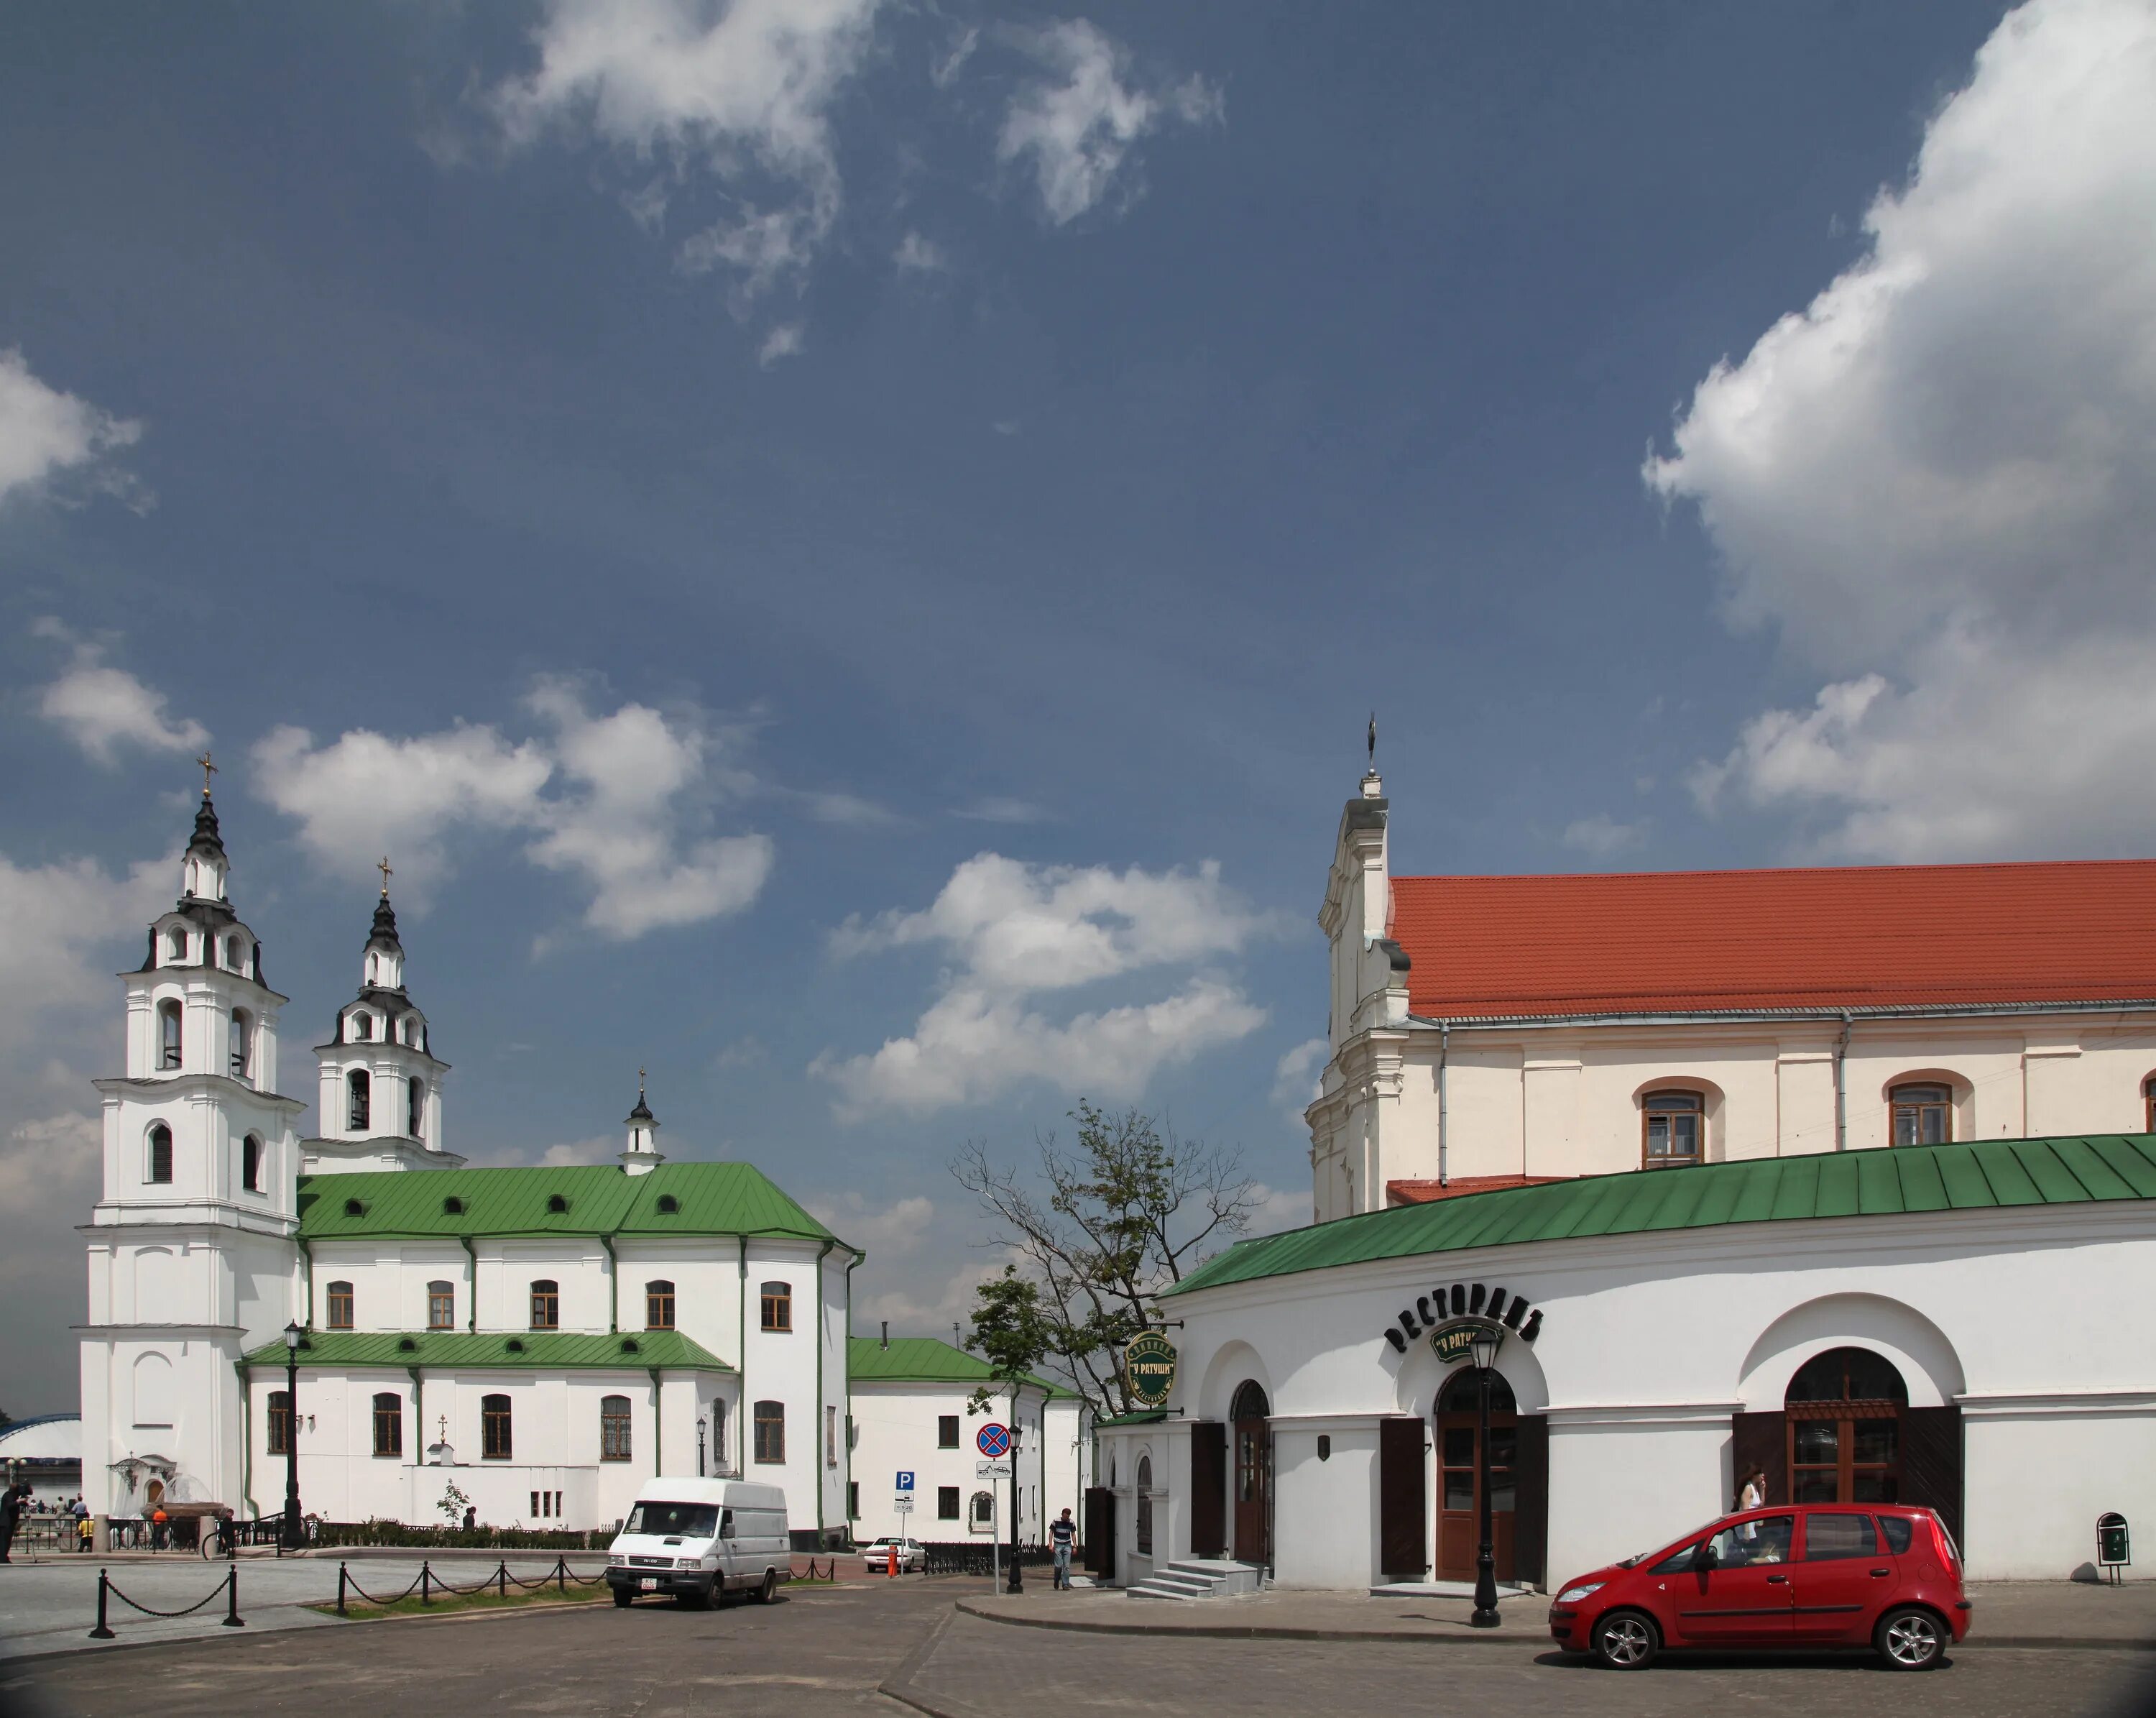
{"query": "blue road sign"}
pixel 994 1439
pixel 905 1480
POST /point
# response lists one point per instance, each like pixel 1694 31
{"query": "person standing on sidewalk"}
pixel 12 1501
pixel 1062 1532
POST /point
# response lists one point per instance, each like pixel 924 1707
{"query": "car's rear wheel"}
pixel 1626 1640
pixel 621 1598
pixel 764 1592
pixel 1911 1638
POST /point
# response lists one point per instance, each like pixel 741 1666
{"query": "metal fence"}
pixel 977 1556
pixel 399 1533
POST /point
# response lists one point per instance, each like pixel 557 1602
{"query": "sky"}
pixel 844 548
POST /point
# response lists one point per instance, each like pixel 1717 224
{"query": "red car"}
pixel 1838 1575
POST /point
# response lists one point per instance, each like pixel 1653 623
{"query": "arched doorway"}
pixel 1845 1409
pixel 1252 1414
pixel 1459 1523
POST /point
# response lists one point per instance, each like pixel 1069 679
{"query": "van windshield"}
pixel 666 1520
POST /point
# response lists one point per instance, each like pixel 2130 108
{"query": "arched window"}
pixel 494 1442
pixel 339 1306
pixel 441 1306
pixel 719 1436
pixel 2148 1103
pixel 359 1095
pixel 176 946
pixel 1250 1402
pixel 1844 1410
pixel 777 1306
pixel 658 1306
pixel 1673 1127
pixel 981 1517
pixel 240 1044
pixel 160 1153
pixel 250 1163
pixel 771 1431
pixel 1923 1115
pixel 1144 1547
pixel 546 1305
pixel 613 1428
pixel 389 1423
pixel 415 1108
pixel 235 954
pixel 168 1035
pixel 362 1027
pixel 277 1423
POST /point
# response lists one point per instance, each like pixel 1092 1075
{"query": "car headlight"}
pixel 1574 1595
pixel 688 1563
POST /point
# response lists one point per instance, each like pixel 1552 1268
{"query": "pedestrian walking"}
pixel 13 1502
pixel 1062 1532
pixel 158 1520
pixel 1752 1494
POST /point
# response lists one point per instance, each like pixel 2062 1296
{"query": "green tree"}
pixel 1104 1229
pixel 1011 1332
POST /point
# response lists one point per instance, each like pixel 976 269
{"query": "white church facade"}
pixel 536 1342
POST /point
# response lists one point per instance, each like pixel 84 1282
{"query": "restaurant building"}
pixel 1896 1219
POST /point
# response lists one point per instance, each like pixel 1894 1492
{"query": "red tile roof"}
pixel 1429 1192
pixel 1859 937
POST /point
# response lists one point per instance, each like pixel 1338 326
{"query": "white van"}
pixel 698 1539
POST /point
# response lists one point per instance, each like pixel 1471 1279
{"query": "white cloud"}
pixel 882 1231
pixel 65 922
pixel 608 799
pixel 1015 931
pixel 784 342
pixel 1938 480
pixel 1278 1208
pixel 44 432
pixel 739 90
pixel 1001 809
pixel 929 1306
pixel 1602 836
pixel 571 1153
pixel 1296 1083
pixel 54 1163
pixel 920 255
pixel 101 708
pixel 1079 124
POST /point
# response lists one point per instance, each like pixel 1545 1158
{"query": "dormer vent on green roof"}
pixel 405 1345
pixel 556 1204
pixel 515 1345
pixel 668 1204
pixel 630 1345
pixel 452 1206
pixel 354 1207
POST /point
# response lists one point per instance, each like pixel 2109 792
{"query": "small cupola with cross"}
pixel 642 1154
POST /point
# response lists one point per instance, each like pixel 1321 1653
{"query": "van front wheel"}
pixel 621 1598
pixel 767 1589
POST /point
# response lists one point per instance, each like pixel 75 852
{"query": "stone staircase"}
pixel 1198 1578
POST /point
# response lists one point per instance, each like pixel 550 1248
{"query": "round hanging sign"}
pixel 1149 1368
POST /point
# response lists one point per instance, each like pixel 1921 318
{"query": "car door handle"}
pixel 1777 1580
pixel 1880 1574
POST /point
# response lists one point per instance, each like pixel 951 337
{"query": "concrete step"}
pixel 1226 1575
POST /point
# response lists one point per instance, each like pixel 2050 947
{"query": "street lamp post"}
pixel 291 1537
pixel 703 1425
pixel 1485 1349
pixel 1017 1581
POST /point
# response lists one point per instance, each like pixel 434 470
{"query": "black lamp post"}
pixel 1485 1349
pixel 292 1536
pixel 702 1426
pixel 1017 1581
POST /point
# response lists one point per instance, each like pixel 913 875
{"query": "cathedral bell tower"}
pixel 190 1250
pixel 381 1102
pixel 642 1154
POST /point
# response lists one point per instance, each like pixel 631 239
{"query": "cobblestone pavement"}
pixel 854 1648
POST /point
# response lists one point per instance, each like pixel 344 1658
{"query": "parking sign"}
pixel 905 1479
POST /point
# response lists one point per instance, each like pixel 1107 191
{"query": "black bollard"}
pixel 423 1598
pixel 501 1579
pixel 101 1632
pixel 232 1617
pixel 342 1578
pixel 562 1575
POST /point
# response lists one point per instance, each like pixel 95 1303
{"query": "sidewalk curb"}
pixel 1265 1631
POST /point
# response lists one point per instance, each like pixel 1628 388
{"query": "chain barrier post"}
pixel 561 1576
pixel 502 1580
pixel 342 1578
pixel 423 1598
pixel 232 1619
pixel 101 1632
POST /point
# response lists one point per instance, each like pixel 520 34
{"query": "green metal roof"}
pixel 1976 1175
pixel 537 1350
pixel 710 1199
pixel 916 1360
pixel 1136 1417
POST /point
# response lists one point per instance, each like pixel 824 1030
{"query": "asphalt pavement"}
pixel 885 1646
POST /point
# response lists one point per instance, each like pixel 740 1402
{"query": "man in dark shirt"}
pixel 1062 1533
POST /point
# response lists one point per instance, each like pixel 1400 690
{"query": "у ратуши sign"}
pixel 1149 1368
pixel 1455 1341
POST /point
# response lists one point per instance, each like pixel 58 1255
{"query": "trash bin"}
pixel 2112 1548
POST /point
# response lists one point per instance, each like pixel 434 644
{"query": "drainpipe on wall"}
pixel 471 1300
pixel 306 1279
pixel 658 1424
pixel 1444 1048
pixel 420 1434
pixel 823 1408
pixel 740 1354
pixel 246 1436
pixel 1841 1087
pixel 613 1287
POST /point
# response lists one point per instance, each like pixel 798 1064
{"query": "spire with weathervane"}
pixel 642 1154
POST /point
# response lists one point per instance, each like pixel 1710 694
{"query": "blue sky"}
pixel 844 549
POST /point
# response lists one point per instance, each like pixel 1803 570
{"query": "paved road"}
pixel 828 1650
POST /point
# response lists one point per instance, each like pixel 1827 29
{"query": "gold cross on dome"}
pixel 383 867
pixel 639 1082
pixel 208 769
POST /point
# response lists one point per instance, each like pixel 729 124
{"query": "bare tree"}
pixel 1106 1228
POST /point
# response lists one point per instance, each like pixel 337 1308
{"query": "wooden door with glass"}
pixel 1459 1519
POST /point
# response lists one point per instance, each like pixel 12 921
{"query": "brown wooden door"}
pixel 1254 1463
pixel 1209 1489
pixel 1459 1529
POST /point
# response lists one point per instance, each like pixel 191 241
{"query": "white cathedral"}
pixel 538 1342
